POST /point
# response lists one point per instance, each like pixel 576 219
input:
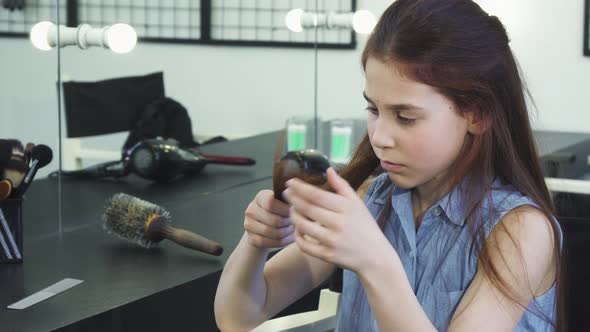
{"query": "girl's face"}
pixel 415 131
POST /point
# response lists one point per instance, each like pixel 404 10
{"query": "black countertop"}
pixel 116 272
pixel 119 275
pixel 84 199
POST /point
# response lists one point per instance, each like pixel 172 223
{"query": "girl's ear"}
pixel 477 123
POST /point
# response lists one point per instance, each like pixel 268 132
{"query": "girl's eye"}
pixel 405 120
pixel 372 110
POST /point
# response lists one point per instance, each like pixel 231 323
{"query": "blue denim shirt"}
pixel 438 258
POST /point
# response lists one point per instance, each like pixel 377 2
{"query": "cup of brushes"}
pixel 18 167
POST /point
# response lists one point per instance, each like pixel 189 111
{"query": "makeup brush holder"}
pixel 11 231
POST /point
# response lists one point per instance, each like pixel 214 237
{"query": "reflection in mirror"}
pixel 28 113
pixel 198 77
pixel 119 38
pixel 327 23
pixel 200 71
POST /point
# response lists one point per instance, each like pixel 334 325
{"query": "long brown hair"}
pixel 461 51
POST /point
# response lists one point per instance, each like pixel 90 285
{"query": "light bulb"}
pixel 363 21
pixel 121 38
pixel 39 35
pixel 293 20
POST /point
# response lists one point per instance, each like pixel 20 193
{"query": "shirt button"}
pixel 437 211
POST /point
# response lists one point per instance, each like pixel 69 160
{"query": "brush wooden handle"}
pixel 192 240
pixel 227 160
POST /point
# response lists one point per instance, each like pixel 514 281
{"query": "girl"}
pixel 457 234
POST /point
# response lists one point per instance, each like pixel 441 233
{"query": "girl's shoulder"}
pixel 506 202
pixel 504 197
pixel 376 189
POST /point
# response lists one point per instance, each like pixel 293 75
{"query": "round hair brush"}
pixel 308 165
pixel 146 223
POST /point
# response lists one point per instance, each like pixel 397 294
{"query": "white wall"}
pixel 28 98
pixel 240 91
pixel 547 38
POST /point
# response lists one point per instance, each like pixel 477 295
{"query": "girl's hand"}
pixel 267 223
pixel 335 227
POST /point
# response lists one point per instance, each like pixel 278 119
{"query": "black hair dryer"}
pixel 163 160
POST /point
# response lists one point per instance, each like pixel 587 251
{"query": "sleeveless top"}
pixel 438 258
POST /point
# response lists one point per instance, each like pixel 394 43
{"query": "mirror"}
pixel 29 110
pixel 233 66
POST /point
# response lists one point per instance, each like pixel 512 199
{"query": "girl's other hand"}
pixel 267 222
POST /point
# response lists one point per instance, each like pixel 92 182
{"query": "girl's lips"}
pixel 391 167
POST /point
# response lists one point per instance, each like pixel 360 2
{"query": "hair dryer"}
pixel 162 160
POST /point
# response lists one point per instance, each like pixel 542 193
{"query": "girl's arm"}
pixel 521 250
pixel 251 292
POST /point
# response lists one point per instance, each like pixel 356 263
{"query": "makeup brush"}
pixel 5 152
pixel 12 162
pixel 29 153
pixel 5 189
pixel 146 224
pixel 308 165
pixel 15 169
pixel 41 155
pixel 12 143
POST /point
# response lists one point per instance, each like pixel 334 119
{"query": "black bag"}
pixel 165 118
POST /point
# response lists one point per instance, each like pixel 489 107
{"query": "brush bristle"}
pixel 126 216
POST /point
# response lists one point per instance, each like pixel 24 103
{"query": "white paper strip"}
pixel 45 293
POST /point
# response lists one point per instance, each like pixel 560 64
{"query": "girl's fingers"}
pixel 317 196
pixel 270 219
pixel 310 246
pixel 267 201
pixel 311 228
pixel 254 226
pixel 340 185
pixel 311 211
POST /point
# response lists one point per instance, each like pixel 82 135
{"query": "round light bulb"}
pixel 39 35
pixel 293 20
pixel 121 38
pixel 363 21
